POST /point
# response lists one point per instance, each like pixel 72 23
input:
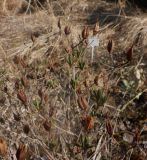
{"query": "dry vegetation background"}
pixel 57 105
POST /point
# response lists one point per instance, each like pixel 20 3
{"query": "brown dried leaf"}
pixel 137 156
pixel 82 102
pixel 3 147
pixel 22 96
pixel 88 122
pixel 142 98
pixel 47 125
pixel 2 99
pixel 6 89
pixel 68 49
pixel 51 111
pixel 79 90
pixel 109 127
pixel 67 30
pixel 31 75
pixel 96 80
pixel 23 62
pixel 16 59
pixel 45 98
pixel 40 93
pixel 129 53
pixel 33 38
pixel 85 33
pixel 26 129
pixel 96 28
pixel 25 82
pixel 109 46
pixel 17 116
pixel 86 83
pixel 17 85
pixel 136 137
pixel 21 153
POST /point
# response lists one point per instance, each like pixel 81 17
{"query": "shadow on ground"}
pixel 111 12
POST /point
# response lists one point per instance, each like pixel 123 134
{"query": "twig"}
pixel 126 105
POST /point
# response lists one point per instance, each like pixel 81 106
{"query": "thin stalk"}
pixel 92 54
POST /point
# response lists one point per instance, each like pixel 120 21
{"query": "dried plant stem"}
pixel 74 73
pixel 126 105
pixel 92 54
pixel 112 59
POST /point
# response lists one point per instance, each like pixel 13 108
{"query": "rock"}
pixel 128 138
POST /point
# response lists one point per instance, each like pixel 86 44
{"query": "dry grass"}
pixel 53 109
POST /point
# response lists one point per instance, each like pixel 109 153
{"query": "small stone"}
pixel 128 138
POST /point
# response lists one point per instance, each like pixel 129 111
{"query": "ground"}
pixel 55 103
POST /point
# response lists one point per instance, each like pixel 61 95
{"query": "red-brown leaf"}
pixel 25 82
pixel 26 129
pixel 23 62
pixel 46 97
pixel 82 102
pixel 67 30
pixel 136 136
pixel 96 28
pixel 3 147
pixel 96 80
pixel 109 127
pixel 68 49
pixel 47 125
pixel 16 59
pixel 88 122
pixel 17 85
pixel 22 96
pixel 17 116
pixel 40 93
pixel 129 53
pixel 85 33
pixel 21 153
pixel 109 46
